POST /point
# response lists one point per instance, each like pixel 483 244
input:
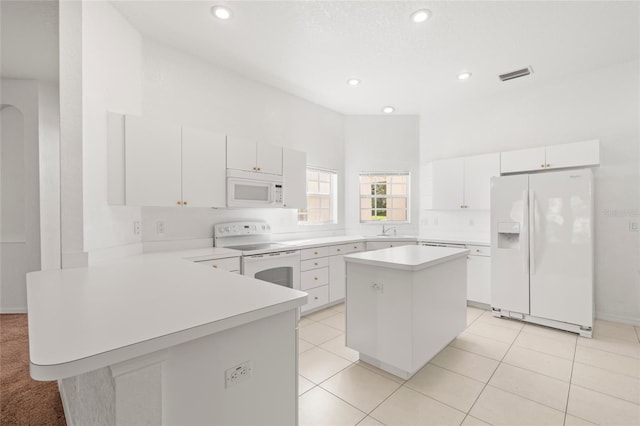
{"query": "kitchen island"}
pixel 155 339
pixel 404 305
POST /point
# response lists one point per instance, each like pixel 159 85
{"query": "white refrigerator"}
pixel 542 248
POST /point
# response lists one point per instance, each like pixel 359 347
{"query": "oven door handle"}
pixel 276 255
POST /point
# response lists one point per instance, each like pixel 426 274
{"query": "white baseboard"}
pixel 618 318
pixel 18 310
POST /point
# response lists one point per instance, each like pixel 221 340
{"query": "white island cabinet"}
pixel 153 340
pixel 405 304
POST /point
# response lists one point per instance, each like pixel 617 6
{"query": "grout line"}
pixel 611 352
pixel 492 374
pixel 573 362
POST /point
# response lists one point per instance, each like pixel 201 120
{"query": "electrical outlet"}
pixel 633 226
pixel 237 374
pixel 136 227
pixel 377 287
pixel 160 227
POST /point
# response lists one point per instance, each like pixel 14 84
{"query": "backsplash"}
pixel 172 228
pixel 471 225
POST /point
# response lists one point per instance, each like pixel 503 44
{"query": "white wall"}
pixel 112 75
pixel 603 104
pixel 20 249
pixel 183 89
pixel 71 162
pixel 49 112
pixel 380 144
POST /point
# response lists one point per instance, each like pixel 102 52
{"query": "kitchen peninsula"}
pixel 154 339
pixel 405 304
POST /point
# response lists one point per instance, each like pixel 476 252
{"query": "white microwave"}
pixel 247 189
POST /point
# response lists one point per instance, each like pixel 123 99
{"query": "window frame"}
pixel 372 197
pixel 332 196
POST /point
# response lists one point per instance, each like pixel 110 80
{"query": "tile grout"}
pixel 486 384
pixel 489 379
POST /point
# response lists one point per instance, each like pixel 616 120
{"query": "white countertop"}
pixel 87 318
pixel 344 239
pixel 457 240
pixel 410 257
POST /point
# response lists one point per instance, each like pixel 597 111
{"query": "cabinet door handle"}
pixel 215 266
pixel 184 203
pixel 179 202
pixel 315 278
pixel 259 168
pixel 548 165
pixel 315 252
pixel 315 263
pixel 478 250
pixel 542 165
pixel 339 250
pixel 315 298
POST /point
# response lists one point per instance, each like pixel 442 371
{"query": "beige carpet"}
pixel 23 401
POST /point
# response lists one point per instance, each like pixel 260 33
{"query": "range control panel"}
pixel 234 229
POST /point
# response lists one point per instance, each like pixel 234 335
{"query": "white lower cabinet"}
pixel 338 270
pixel 337 278
pixel 314 277
pixel 318 297
pixel 323 274
pixel 479 274
pixel 230 264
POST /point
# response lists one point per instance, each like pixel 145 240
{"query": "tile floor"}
pixel 497 372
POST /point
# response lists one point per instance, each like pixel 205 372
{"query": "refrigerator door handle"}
pixel 532 234
pixel 525 232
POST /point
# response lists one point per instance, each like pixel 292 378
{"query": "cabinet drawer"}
pixel 231 264
pixel 314 278
pixel 346 248
pixel 479 250
pixel 318 297
pixel 320 262
pixel 312 253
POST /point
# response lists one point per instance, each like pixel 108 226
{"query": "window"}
pixel 321 197
pixel 384 197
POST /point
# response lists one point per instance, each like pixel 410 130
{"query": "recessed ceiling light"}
pixel 221 12
pixel 420 15
pixel 388 109
pixel 353 82
pixel 464 75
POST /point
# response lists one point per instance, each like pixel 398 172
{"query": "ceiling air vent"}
pixel 516 74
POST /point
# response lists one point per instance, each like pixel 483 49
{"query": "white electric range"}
pixel 261 258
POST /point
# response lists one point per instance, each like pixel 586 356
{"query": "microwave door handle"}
pixel 272 191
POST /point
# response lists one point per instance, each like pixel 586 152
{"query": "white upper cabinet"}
pixel 448 182
pixel 269 158
pixel 478 171
pixel 152 163
pixel 167 165
pixel 576 154
pixel 462 183
pixel 522 160
pixel 251 156
pixel 294 178
pixel 203 168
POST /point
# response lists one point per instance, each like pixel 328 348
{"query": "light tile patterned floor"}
pixel 497 372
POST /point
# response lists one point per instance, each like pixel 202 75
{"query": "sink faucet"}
pixel 386 229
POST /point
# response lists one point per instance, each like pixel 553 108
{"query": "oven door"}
pixel 282 268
